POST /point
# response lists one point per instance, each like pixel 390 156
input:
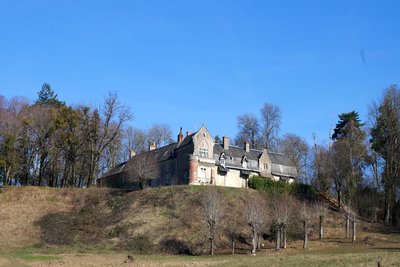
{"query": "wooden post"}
pixel 284 239
pixel 321 226
pixel 347 225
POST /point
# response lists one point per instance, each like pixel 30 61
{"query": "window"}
pixel 244 162
pixel 203 152
pixel 222 160
pixel 265 166
pixel 203 175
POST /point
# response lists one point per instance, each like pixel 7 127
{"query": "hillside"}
pixel 167 219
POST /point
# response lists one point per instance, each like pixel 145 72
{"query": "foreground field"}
pixel 101 227
pixel 347 255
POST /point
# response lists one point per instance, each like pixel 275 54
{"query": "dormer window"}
pixel 244 162
pixel 222 160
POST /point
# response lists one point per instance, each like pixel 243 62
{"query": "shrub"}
pixel 268 185
pixel 273 187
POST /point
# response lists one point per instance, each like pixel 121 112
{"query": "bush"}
pixel 273 187
pixel 268 185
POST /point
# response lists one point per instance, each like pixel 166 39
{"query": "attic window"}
pixel 222 160
pixel 244 162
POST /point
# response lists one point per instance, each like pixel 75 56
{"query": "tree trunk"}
pixel 388 210
pixel 354 231
pixel 305 235
pixel 258 241
pixel 212 246
pixel 41 169
pixel 347 225
pixel 254 242
pixel 233 244
pixel 7 176
pixel 321 227
pixel 339 195
pixel 278 239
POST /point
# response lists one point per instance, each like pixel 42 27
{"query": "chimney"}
pixel 132 153
pixel 247 146
pixel 152 146
pixel 188 133
pixel 225 142
pixel 180 136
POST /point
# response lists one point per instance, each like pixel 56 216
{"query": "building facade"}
pixel 197 159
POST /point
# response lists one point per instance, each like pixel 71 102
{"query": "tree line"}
pixel 49 143
pixel 360 164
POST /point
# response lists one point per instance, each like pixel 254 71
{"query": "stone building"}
pixel 197 159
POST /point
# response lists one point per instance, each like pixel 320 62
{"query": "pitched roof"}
pixel 237 152
pixel 281 164
pixel 159 154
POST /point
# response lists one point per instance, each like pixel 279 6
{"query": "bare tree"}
pixel 160 134
pixel 281 212
pixel 321 168
pixel 102 128
pixel 308 217
pixel 256 217
pixel 249 130
pixel 212 203
pixel 232 231
pixel 143 168
pixel 297 150
pixel 135 140
pixel 321 210
pixel 270 124
pixel 385 134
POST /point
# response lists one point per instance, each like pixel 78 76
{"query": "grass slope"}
pixel 161 220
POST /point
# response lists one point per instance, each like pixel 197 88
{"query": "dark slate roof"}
pixel 237 152
pixel 281 164
pixel 159 154
pixel 279 158
pixel 115 170
pixel 187 140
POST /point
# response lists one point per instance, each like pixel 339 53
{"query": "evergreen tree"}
pixel 47 96
pixel 345 124
pixel 348 154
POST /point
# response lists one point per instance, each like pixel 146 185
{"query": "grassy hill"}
pixel 161 220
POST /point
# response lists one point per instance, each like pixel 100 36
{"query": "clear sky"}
pixel 188 62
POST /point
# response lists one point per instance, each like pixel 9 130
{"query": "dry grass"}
pixel 71 221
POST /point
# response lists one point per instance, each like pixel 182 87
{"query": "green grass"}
pixel 29 254
pixel 347 255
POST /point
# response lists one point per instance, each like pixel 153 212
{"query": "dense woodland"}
pixel 48 143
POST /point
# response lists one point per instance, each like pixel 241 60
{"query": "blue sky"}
pixel 189 62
